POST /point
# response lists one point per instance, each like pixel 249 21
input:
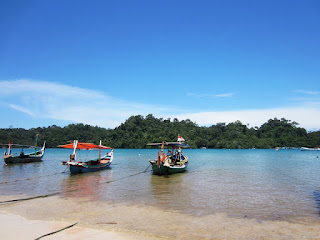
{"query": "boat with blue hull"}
pixel 174 161
pixel 98 164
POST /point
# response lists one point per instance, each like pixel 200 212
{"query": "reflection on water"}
pixel 84 185
pixel 169 191
pixel 317 200
pixel 260 184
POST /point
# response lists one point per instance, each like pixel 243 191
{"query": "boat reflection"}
pixel 87 186
pixel 170 191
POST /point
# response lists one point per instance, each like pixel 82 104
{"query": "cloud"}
pixel 224 95
pixel 21 109
pixel 307 117
pixel 307 92
pixel 55 101
pixel 49 100
pixel 200 95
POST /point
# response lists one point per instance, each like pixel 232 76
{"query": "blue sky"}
pixel 100 62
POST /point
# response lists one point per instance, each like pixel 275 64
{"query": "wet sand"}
pixel 17 227
pixel 101 220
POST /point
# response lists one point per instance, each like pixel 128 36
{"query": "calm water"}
pixel 260 184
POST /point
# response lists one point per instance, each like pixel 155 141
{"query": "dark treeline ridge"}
pixel 137 131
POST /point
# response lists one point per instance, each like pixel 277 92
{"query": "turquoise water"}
pixel 260 184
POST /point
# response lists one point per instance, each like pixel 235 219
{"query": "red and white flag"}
pixel 180 139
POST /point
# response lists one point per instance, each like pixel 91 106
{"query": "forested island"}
pixel 137 131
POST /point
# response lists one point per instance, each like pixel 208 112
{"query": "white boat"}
pixel 310 149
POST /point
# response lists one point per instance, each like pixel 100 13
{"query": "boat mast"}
pixel 9 150
pixel 100 150
pixel 179 150
pixel 35 149
pixel 162 153
pixel 75 144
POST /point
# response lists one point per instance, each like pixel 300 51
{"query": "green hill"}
pixel 137 131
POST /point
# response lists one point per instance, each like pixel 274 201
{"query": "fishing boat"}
pixel 174 161
pixel 309 149
pixel 36 156
pixel 100 163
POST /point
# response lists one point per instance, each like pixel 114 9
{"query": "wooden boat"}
pixel 309 149
pixel 175 161
pixel 100 163
pixel 35 156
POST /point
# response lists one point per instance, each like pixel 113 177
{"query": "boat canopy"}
pixel 170 144
pixel 87 146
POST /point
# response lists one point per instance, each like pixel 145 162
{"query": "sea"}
pixel 261 185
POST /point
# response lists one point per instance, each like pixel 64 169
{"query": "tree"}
pixel 137 131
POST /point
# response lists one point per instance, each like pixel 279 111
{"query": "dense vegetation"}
pixel 137 131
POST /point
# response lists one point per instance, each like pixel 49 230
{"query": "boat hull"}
pixel 75 169
pixel 13 160
pixel 94 165
pixel 165 170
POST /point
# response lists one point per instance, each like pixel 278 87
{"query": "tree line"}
pixel 137 131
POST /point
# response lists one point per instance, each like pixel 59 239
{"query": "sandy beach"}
pixel 263 197
pixel 34 218
pixel 17 227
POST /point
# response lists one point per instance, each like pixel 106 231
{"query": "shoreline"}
pixel 15 227
pixel 102 220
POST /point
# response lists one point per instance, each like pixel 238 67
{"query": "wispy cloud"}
pixel 200 95
pixel 306 116
pixel 308 92
pixel 54 101
pixel 223 95
pixel 307 97
pixel 49 100
pixel 21 109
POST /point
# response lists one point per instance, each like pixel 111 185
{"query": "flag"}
pixel 37 139
pixel 180 139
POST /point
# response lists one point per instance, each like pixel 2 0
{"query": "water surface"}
pixel 257 184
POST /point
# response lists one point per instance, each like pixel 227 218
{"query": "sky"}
pixel 210 61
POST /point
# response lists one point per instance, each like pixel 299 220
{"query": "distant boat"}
pixel 175 161
pixel 35 156
pixel 310 149
pixel 287 148
pixel 100 163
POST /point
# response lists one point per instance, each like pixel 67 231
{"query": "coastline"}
pixel 34 218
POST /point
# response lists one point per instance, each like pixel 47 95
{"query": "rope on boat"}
pixel 196 168
pixel 71 190
pixel 48 234
pixel 30 198
pixel 131 175
pixel 146 168
pixel 27 179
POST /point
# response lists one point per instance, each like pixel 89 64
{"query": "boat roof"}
pixel 83 145
pixel 170 144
